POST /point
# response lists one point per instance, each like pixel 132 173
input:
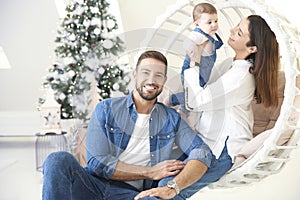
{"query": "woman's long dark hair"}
pixel 266 61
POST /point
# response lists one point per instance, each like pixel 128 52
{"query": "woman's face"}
pixel 239 37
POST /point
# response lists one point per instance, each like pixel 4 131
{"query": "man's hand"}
pixel 128 172
pixel 160 192
pixel 165 169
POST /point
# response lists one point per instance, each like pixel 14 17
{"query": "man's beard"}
pixel 148 97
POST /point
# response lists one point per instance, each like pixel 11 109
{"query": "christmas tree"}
pixel 87 52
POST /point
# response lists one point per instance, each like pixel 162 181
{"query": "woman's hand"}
pixel 166 101
pixel 165 169
pixel 196 51
pixel 160 192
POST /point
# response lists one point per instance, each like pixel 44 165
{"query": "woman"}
pixel 224 114
pixel 223 106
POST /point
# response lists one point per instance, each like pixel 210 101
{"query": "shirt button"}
pixel 152 155
pixel 151 137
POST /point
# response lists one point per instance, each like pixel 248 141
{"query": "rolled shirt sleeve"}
pixel 101 161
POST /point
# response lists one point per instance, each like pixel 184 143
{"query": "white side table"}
pixel 46 144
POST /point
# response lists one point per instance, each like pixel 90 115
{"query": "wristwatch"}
pixel 172 184
pixel 194 64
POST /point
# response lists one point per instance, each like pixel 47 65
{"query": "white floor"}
pixel 20 181
pixel 18 178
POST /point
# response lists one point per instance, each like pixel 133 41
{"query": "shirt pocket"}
pixel 166 139
pixel 116 136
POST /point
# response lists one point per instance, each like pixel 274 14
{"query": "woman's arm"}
pixel 196 51
pixel 234 87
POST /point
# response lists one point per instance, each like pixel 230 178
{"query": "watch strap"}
pixel 172 184
pixel 194 64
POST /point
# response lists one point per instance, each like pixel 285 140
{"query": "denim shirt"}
pixel 112 124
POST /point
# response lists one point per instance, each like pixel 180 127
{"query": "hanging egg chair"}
pixel 268 152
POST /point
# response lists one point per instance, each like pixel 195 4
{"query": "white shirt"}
pixel 223 106
pixel 137 151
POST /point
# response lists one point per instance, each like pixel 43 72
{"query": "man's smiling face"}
pixel 150 78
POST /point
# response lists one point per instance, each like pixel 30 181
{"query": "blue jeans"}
pixel 65 179
pixel 217 169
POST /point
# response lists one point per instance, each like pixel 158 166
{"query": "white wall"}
pixel 288 9
pixel 27 33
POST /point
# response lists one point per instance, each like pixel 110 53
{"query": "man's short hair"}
pixel 155 55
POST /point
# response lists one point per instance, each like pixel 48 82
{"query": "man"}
pixel 129 144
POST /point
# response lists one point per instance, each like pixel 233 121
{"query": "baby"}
pixel 206 25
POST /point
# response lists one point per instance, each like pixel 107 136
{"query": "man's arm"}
pixel 128 172
pixel 191 173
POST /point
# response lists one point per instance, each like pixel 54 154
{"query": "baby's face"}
pixel 208 23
